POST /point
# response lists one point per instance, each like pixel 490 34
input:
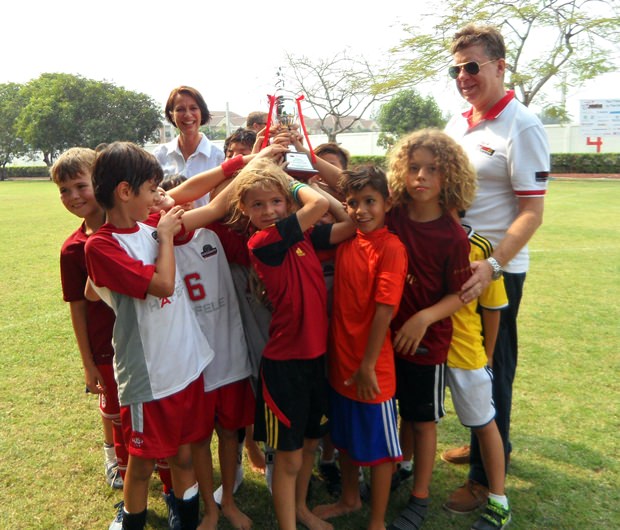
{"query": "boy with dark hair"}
pixel 240 142
pixel 160 352
pixel 334 154
pixel 369 278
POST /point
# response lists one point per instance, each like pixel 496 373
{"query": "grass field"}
pixel 564 472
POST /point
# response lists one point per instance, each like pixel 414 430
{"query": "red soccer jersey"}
pixel 370 269
pixel 99 317
pixel 438 253
pixel 286 262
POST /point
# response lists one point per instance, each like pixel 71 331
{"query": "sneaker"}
pixel 174 521
pixel 330 474
pixel 217 494
pixel 399 476
pixel 468 498
pixel 458 455
pixel 495 517
pixel 113 476
pixel 117 523
pixel 412 516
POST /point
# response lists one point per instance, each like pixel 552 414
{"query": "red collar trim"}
pixel 493 112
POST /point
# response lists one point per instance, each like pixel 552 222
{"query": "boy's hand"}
pixel 170 222
pixel 273 151
pixel 365 379
pixel 408 337
pixel 94 381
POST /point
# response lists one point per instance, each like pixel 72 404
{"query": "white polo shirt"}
pixel 510 152
pixel 207 156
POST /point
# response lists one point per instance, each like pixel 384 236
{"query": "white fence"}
pixel 562 139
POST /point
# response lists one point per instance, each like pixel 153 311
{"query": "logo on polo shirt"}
pixel 489 151
pixel 300 252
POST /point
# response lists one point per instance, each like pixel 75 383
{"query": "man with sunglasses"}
pixel 508 146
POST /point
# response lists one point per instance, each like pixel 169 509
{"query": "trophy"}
pixel 285 112
pixel 288 116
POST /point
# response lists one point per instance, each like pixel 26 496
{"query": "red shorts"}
pixel 156 429
pixel 234 405
pixel 108 403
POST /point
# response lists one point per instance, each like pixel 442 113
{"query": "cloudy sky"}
pixel 230 51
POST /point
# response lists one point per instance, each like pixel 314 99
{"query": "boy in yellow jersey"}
pixel 469 375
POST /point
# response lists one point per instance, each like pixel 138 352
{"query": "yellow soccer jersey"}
pixel 467 346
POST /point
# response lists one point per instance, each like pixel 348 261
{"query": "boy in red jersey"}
pixel 430 176
pixel 92 321
pixel 292 394
pixel 369 279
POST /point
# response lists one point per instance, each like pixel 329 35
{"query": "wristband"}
pixel 295 187
pixel 232 165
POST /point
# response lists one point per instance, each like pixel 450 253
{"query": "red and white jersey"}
pixel 510 152
pixel 205 272
pixel 159 346
pixel 99 317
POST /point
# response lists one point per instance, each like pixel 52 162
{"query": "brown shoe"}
pixel 468 498
pixel 459 455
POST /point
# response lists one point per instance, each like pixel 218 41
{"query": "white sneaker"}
pixel 117 523
pixel 217 494
pixel 113 476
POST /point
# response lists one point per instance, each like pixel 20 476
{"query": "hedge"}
pixel 560 162
pixel 25 172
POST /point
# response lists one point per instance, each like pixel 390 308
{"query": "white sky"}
pixel 228 50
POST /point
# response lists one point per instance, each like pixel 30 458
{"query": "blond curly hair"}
pixel 260 172
pixel 459 177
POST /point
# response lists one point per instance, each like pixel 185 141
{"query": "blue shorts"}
pixel 366 432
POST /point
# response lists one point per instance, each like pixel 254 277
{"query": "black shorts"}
pixel 291 403
pixel 420 390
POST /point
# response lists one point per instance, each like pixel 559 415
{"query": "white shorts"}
pixel 472 395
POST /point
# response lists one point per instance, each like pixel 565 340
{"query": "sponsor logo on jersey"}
pixel 154 235
pixel 208 250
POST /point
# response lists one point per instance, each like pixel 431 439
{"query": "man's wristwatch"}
pixel 497 268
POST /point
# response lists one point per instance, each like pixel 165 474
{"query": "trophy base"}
pixel 299 166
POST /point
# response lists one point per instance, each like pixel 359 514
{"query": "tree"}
pixel 11 145
pixel 406 112
pixel 339 89
pixel 565 41
pixel 64 110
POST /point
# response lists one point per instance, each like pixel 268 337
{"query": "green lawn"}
pixel 564 472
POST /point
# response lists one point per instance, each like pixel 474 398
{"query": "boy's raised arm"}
pixel 344 227
pixel 202 183
pixel 163 280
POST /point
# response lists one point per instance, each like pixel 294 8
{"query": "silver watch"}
pixel 497 268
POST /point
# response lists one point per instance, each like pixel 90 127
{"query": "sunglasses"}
pixel 472 68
